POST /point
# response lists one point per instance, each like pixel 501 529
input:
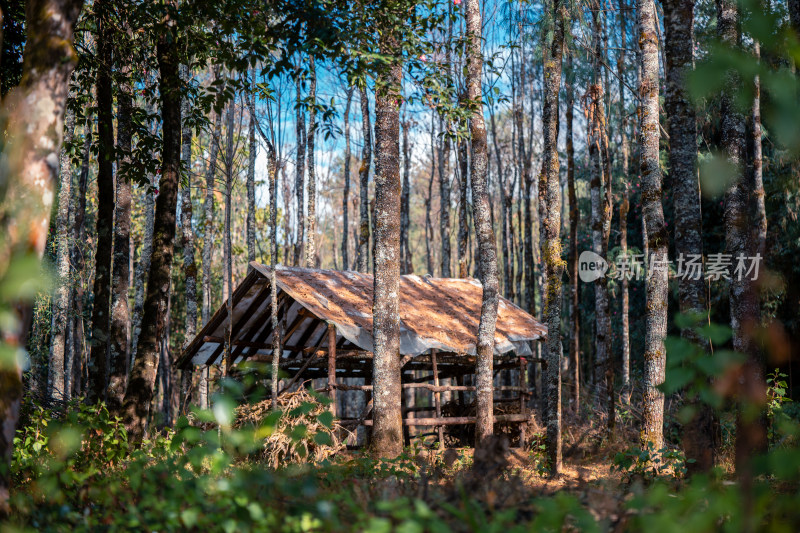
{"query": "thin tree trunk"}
pixel 208 241
pixel 311 214
pixel 387 434
pixel 405 207
pixel 251 185
pixel 56 380
pixel 277 334
pixel 653 214
pixel 120 280
pixel 444 201
pixel 143 374
pixel 346 193
pixel 483 229
pixel 526 226
pixel 429 232
pixel 227 245
pixel 600 185
pixel 98 356
pixel 552 232
pixel 574 214
pixel 463 224
pixel 363 180
pixel 300 165
pixel 73 367
pixel 623 209
pixel 187 238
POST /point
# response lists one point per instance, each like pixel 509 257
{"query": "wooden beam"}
pixel 437 398
pixel 332 365
pixel 217 318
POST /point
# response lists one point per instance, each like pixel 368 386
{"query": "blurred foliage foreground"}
pixel 77 471
pixel 242 466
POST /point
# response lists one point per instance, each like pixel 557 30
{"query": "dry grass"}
pixel 289 443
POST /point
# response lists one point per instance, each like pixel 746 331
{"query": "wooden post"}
pixel 523 409
pixel 437 399
pixel 404 407
pixel 332 365
pixel 460 383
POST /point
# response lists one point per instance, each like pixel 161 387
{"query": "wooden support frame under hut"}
pixel 326 320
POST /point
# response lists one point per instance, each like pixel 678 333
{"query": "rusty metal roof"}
pixel 435 313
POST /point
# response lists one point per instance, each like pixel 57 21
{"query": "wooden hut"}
pixel 326 320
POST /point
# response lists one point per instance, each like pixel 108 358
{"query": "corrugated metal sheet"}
pixel 435 313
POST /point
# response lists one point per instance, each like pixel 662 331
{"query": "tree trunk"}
pixel 483 229
pixel 346 193
pixel 120 312
pixel 552 233
pixel 300 165
pixel 311 215
pixel 208 241
pixel 463 223
pixel 574 214
pixel 405 224
pixel 227 245
pixel 653 214
pixel 623 208
pixel 33 113
pixel 601 215
pixel 444 202
pixel 56 380
pixel 429 232
pixel 187 241
pixel 98 356
pixel 251 185
pixel 73 367
pixel 698 439
pixel 526 226
pixel 745 313
pixel 363 180
pixel 143 374
pixel 387 435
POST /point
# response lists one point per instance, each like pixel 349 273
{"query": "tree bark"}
pixel 363 180
pixel 444 202
pixel 208 241
pixel 698 440
pixel 387 436
pixel 98 356
pixel 56 378
pixel 73 367
pixel 120 280
pixel 300 165
pixel 251 185
pixel 601 225
pixel 346 193
pixel 463 223
pixel 624 205
pixel 656 283
pixel 483 229
pixel 552 233
pixel 574 214
pixel 405 207
pixel 143 374
pixel 187 240
pixel 751 437
pixel 227 245
pixel 311 215
pixel 33 114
